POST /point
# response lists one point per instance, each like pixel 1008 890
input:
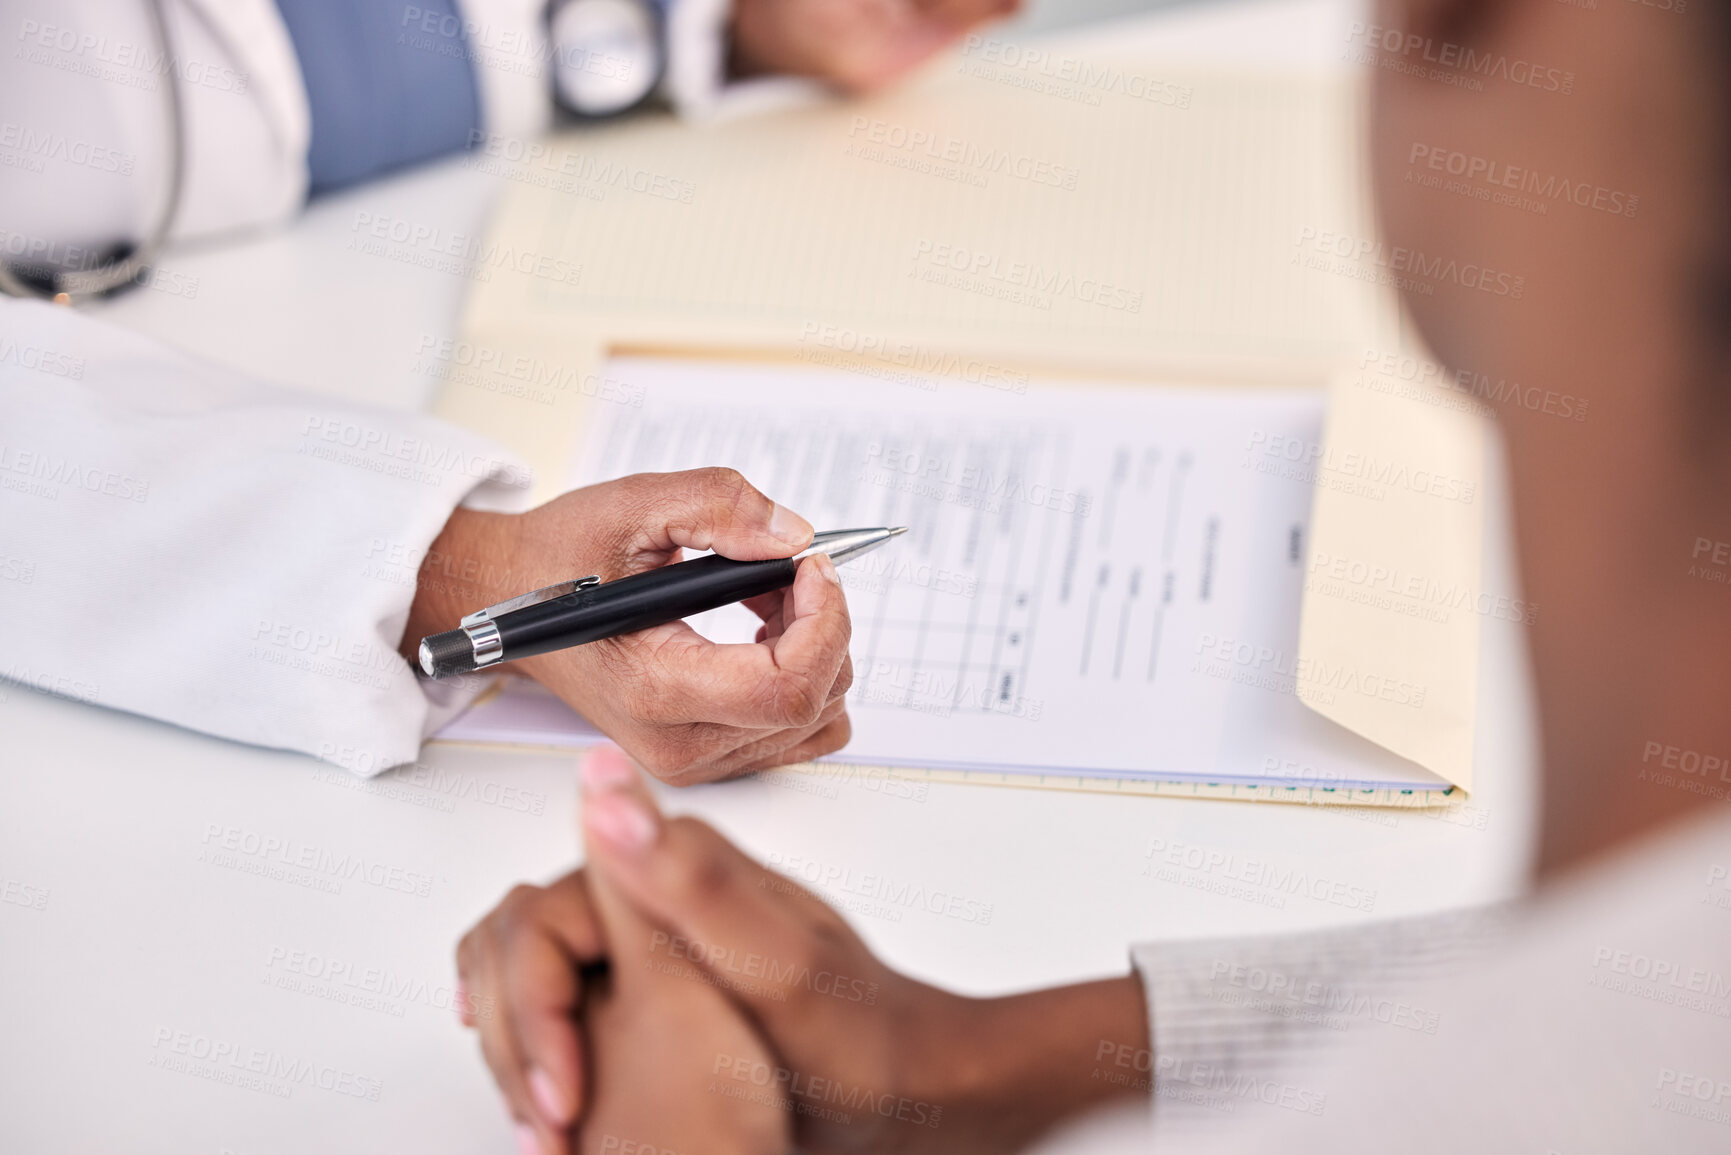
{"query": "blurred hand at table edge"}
pixel 870 1059
pixel 687 709
pixel 854 45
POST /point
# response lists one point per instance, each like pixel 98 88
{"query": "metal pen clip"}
pixel 484 632
pixel 533 598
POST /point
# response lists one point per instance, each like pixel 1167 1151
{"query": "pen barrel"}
pixel 639 602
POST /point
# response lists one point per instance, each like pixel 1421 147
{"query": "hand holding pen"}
pixel 687 709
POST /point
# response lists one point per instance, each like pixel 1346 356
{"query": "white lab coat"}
pixel 84 151
pixel 181 542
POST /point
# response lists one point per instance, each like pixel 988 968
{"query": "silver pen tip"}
pixel 898 531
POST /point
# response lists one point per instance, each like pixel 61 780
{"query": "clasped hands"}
pixel 676 996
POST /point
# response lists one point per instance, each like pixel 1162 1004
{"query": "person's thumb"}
pixel 748 927
pixel 719 509
pixel 631 940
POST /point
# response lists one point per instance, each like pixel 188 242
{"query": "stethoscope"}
pixel 69 287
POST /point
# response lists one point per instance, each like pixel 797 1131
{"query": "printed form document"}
pixel 1098 581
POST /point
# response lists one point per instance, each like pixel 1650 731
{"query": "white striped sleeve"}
pixel 1235 1023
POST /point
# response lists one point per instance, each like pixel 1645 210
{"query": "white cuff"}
pixel 696 83
pixel 696 55
pixel 513 65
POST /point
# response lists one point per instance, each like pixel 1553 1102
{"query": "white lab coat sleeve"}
pixel 180 542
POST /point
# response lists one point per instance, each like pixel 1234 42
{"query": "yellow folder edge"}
pixel 1393 599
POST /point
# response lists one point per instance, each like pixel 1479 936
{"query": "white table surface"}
pixel 146 931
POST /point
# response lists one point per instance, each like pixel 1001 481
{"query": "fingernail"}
pixel 459 999
pixel 621 821
pixel 607 768
pixel 826 567
pixel 549 1100
pixel 788 526
pixel 527 1144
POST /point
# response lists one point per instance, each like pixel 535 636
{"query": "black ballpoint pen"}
pixel 587 610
